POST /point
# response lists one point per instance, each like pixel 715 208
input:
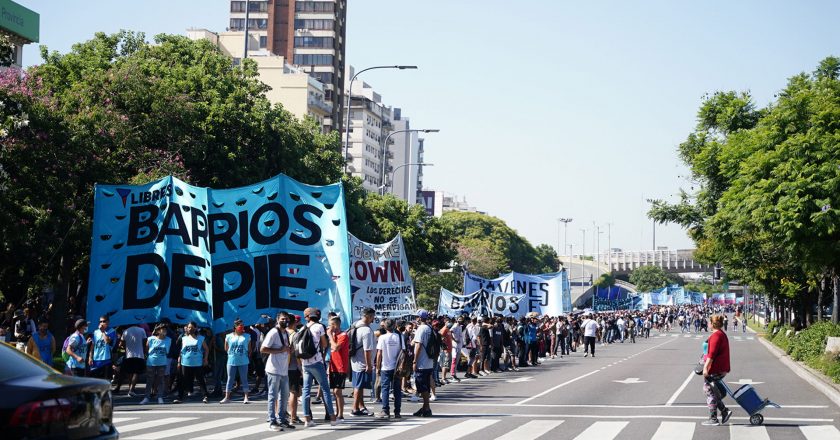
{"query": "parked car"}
pixel 38 402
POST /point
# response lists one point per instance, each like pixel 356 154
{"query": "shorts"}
pixel 485 353
pixel 423 380
pixel 295 381
pixel 133 366
pixel 361 380
pixel 337 380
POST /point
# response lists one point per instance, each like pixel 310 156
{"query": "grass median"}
pixel 807 345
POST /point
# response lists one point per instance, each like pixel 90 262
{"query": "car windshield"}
pixel 15 364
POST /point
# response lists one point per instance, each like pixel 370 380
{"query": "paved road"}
pixel 628 391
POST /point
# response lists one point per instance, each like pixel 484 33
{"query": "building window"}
pixel 238 24
pixel 313 59
pixel 323 77
pixel 263 41
pixel 315 25
pixel 310 6
pixel 322 42
pixel 255 6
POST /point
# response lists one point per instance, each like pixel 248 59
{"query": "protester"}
pixel 314 368
pixel 133 340
pixel 77 349
pixel 295 372
pixel 157 347
pixel 277 346
pixel 104 341
pixel 192 361
pixel 590 330
pixel 715 368
pixel 339 363
pixel 361 359
pixel 388 349
pixel 42 344
pixel 238 348
pixel 423 364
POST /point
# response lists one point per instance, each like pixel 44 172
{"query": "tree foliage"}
pixel 768 203
pixel 649 278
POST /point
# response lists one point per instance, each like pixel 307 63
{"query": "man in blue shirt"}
pixel 104 339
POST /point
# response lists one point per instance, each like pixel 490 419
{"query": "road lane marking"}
pixel 674 431
pixel 630 380
pixel 579 378
pixel 154 423
pixel 531 430
pixel 460 430
pixel 742 432
pixel 680 389
pixel 560 405
pixel 122 419
pixel 386 430
pixel 745 382
pixel 822 432
pixel 188 429
pixel 602 431
pixel 236 433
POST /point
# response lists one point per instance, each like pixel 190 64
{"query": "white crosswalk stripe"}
pixel 236 433
pixel 531 430
pixel 823 432
pixel 674 431
pixel 182 431
pixel 152 424
pixel 304 433
pixel 744 432
pixel 602 431
pixel 460 430
pixel 123 419
pixel 388 430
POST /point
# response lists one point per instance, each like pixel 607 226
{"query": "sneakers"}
pixel 423 413
pixel 711 422
pixel 160 401
pixel 456 379
pixel 309 424
pixel 360 412
pixel 586 354
pixel 132 394
pixel 176 401
pixel 286 425
pixel 433 397
pixel 382 415
pixel 225 400
pixel 414 398
pixel 335 422
pixel 246 401
pixel 274 426
pixel 144 401
pixel 725 415
pixel 204 400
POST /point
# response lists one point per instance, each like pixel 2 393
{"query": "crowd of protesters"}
pixel 283 358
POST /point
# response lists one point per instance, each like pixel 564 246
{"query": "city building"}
pixel 370 124
pixel 405 147
pixel 438 202
pixel 310 35
pixel 298 92
pixel 21 25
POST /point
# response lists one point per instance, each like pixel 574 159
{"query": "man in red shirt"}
pixel 339 362
pixel 714 370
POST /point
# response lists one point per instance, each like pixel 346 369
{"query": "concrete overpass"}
pixel 672 261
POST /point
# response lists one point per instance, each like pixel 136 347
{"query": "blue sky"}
pixel 546 108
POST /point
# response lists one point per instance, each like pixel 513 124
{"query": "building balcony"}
pixel 318 104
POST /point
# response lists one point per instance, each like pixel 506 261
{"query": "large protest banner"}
pixel 482 303
pixel 169 249
pixel 546 294
pixel 379 278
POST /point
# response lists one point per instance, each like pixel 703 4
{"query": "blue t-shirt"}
pixel 237 348
pixel 530 333
pixel 192 351
pixel 101 349
pixel 80 347
pixel 158 348
pixel 44 346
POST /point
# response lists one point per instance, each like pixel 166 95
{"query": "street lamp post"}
pixel 565 222
pixel 388 138
pixel 404 165
pixel 350 101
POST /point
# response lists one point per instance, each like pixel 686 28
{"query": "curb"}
pixel 813 377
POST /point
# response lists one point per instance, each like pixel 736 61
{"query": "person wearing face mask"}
pixel 78 350
pixel 192 361
pixel 157 346
pixel 238 348
pixel 104 340
pixel 42 344
pixel 276 345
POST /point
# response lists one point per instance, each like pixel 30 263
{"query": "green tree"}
pixel 649 278
pixel 427 286
pixel 547 258
pixel 606 280
pixel 7 51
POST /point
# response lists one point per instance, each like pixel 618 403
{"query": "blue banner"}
pixel 545 294
pixel 169 249
pixel 482 303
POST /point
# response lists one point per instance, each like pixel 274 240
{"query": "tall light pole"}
pixel 582 255
pixel 350 102
pixel 247 17
pixel 385 146
pixel 609 245
pixel 565 222
pixel 597 240
pixel 404 165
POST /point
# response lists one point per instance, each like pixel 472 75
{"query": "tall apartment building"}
pixel 309 34
pixel 370 124
pixel 405 181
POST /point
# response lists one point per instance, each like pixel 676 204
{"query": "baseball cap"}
pixel 423 314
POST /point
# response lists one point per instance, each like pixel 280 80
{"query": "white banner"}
pixel 482 303
pixel 379 278
pixel 546 294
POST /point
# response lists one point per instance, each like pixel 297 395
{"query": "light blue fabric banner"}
pixel 546 294
pixel 169 249
pixel 482 303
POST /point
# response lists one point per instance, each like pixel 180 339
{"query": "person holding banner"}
pixel 238 348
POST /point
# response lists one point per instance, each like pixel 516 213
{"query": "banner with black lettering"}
pixel 482 303
pixel 379 278
pixel 545 294
pixel 169 249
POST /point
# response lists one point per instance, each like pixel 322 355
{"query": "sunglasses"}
pixel 103 322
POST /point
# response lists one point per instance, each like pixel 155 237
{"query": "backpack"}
pixel 433 346
pixel 304 345
pixel 354 346
pixel 64 355
pixel 403 368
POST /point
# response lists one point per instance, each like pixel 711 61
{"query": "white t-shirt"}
pixel 457 337
pixel 590 328
pixel 135 338
pixel 390 346
pixel 278 363
pixel 317 329
pixel 422 337
pixel 365 342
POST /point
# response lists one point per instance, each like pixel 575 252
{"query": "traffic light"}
pixel 718 271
